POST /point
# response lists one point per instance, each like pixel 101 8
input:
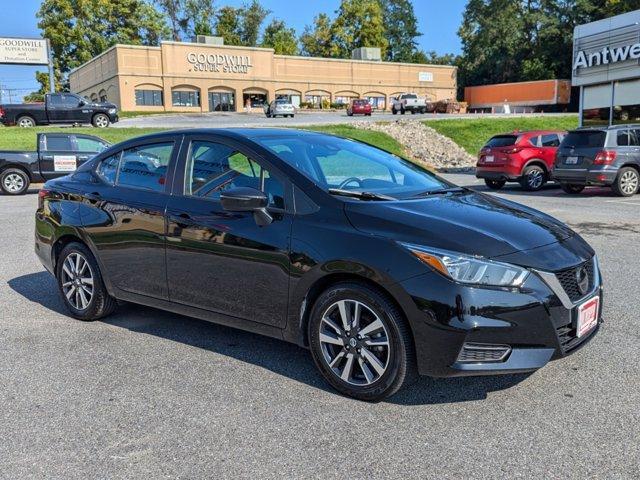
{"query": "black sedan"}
pixel 382 269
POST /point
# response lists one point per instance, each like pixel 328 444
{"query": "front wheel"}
pixel 100 120
pixel 571 188
pixel 80 284
pixel 627 182
pixel 533 178
pixel 361 342
pixel 14 181
pixel 494 184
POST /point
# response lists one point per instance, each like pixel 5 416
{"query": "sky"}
pixel 438 21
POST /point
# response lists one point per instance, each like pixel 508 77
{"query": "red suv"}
pixel 359 106
pixel 524 157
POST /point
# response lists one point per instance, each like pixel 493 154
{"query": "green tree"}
pixel 433 58
pixel 401 30
pixel 317 40
pixel 252 16
pixel 81 29
pixel 228 25
pixel 282 39
pixel 174 10
pixel 358 23
pixel 198 18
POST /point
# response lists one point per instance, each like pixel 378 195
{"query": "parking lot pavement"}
pixel 233 119
pixel 148 393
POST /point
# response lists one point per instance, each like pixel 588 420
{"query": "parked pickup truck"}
pixel 57 154
pixel 59 108
pixel 408 102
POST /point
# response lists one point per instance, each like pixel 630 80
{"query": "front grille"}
pixel 483 353
pixel 569 282
pixel 568 339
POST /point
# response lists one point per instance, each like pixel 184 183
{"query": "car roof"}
pixel 603 128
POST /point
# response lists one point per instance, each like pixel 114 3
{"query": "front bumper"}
pixel 534 322
pixel 576 176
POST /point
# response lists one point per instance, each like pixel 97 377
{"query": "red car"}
pixel 359 107
pixel 524 157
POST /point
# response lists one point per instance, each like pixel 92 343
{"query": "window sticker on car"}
pixel 64 163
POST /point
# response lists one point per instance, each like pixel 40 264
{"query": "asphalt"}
pixel 151 394
pixel 302 118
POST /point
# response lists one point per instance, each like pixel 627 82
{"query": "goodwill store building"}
pixel 204 78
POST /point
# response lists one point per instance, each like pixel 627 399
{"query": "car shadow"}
pixel 278 356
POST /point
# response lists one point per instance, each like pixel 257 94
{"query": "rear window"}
pixel 502 141
pixel 585 139
pixel 410 95
pixel 359 102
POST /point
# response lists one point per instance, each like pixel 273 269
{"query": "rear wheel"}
pixel 533 178
pixel 14 181
pixel 100 120
pixel 26 121
pixel 494 184
pixel 571 188
pixel 361 342
pixel 627 182
pixel 81 285
pixel 393 110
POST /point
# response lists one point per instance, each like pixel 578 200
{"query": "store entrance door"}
pixel 222 102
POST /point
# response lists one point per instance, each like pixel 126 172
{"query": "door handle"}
pixel 47 157
pixel 83 157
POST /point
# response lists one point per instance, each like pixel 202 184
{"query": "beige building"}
pixel 201 78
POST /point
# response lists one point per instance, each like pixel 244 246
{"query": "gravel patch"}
pixel 425 145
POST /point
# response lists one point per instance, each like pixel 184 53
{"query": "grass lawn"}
pixel 472 133
pixel 14 138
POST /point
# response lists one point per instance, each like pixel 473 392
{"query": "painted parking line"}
pixel 630 202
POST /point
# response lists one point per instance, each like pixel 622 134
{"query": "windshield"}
pixel 337 163
pixel 502 141
pixel 589 139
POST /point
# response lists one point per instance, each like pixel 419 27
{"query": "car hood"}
pixel 467 222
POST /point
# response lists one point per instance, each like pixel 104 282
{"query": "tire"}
pixel 627 182
pixel 25 121
pixel 402 111
pixel 494 184
pixel 376 372
pixel 393 110
pixel 100 120
pixel 571 188
pixel 90 303
pixel 367 114
pixel 14 181
pixel 533 178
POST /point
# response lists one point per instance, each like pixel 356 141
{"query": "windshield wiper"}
pixel 440 191
pixel 360 195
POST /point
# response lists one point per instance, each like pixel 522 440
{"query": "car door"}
pixel 634 141
pixel 223 261
pixel 57 154
pixel 124 214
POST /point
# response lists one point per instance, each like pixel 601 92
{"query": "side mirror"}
pixel 82 103
pixel 246 199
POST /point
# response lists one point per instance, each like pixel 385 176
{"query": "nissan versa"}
pixel 382 269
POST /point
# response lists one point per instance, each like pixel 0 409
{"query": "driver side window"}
pixel 214 167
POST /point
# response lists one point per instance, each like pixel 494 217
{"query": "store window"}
pixel 318 101
pixel 185 98
pixel 377 103
pixel 255 100
pixel 149 98
pixel 222 102
pixel 626 102
pixel 103 95
pixel 596 104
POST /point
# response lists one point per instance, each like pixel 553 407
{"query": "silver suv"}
pixel 600 156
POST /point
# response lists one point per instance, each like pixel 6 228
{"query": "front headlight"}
pixel 112 111
pixel 468 269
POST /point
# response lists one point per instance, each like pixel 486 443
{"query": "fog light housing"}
pixel 483 353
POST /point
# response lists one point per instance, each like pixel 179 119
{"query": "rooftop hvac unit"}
pixel 209 40
pixel 366 53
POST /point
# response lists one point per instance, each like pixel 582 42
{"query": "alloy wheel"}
pixel 102 121
pixel 535 179
pixel 629 182
pixel 13 183
pixel 26 122
pixel 354 342
pixel 77 281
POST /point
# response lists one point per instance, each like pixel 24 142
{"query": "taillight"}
pixel 513 150
pixel 42 194
pixel 1 112
pixel 605 157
